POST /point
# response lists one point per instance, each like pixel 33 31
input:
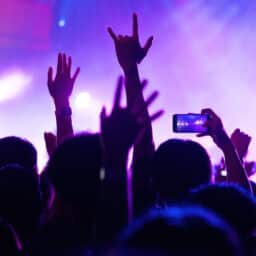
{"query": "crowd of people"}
pixel 83 203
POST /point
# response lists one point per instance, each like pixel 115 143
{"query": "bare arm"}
pixel 235 169
pixel 61 89
pixel 118 130
pixel 130 53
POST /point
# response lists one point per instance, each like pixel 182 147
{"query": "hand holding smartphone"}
pixel 190 123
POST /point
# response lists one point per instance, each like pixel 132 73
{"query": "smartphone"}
pixel 189 123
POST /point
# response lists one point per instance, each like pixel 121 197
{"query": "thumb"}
pixel 50 142
pixel 148 45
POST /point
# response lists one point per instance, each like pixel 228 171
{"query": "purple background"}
pixel 203 55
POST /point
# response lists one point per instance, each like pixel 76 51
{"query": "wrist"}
pixel 131 70
pixel 63 110
pixel 225 142
pixel 61 104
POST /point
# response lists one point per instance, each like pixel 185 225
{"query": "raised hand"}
pixel 119 129
pixel 128 48
pixel 241 141
pixel 215 129
pixel 235 170
pixel 124 125
pixel 61 87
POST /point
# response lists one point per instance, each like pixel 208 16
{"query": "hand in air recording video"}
pixel 215 128
pixel 235 170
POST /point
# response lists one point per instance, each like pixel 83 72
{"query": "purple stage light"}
pixel 203 55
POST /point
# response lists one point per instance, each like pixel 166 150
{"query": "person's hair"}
pixel 180 230
pixel 74 169
pixel 20 199
pixel 231 202
pixel 15 150
pixel 179 166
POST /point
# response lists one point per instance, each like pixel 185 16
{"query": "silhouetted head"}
pixel 9 241
pixel 178 167
pixel 14 150
pixel 20 201
pixel 74 170
pixel 186 230
pixel 232 203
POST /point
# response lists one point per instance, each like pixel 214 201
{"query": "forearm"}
pixel 115 165
pixel 235 169
pixel 143 196
pixel 63 121
pixel 115 195
pixel 145 145
pixel 133 86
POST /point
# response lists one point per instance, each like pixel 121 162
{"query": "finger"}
pixel 148 45
pixel 144 121
pixel 50 76
pixel 117 100
pixel 144 84
pixel 135 30
pixel 65 64
pixel 212 116
pixel 50 142
pixel 148 102
pixel 76 75
pixel 69 65
pixel 208 111
pixel 157 115
pixel 124 39
pixel 203 134
pixel 103 115
pixel 112 34
pixel 49 136
pixel 59 64
pixel 234 133
pixel 151 98
pixel 237 130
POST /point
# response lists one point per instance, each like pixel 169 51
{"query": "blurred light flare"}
pixel 83 100
pixel 13 84
pixel 62 23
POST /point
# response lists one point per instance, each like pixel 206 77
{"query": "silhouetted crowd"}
pixel 88 201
